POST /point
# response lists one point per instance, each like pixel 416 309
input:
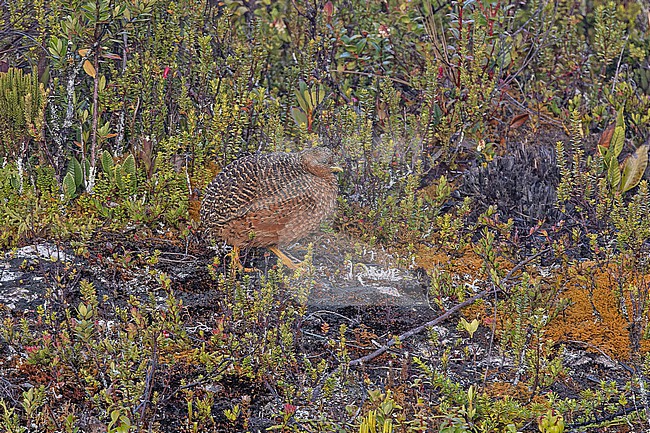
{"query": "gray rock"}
pixel 22 285
pixel 350 274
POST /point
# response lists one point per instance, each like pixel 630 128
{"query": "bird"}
pixel 269 200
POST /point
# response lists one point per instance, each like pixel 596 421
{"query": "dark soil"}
pixel 374 301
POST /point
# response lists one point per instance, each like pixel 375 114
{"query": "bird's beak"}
pixel 336 169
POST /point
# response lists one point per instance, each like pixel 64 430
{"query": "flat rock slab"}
pixel 351 274
pixel 24 271
pixel 346 274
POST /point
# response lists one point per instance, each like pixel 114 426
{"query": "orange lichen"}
pixel 194 207
pixel 465 263
pixel 594 316
pixel 468 268
pixel 580 322
pixel 503 389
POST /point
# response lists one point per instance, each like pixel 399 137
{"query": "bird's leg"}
pixel 286 260
pixel 235 262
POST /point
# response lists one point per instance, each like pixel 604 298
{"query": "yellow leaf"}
pixel 633 168
pixel 90 69
pixel 112 56
pixel 83 52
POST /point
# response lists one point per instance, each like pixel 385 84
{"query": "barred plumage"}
pixel 270 200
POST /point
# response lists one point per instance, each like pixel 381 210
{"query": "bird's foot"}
pixel 285 259
pixel 235 262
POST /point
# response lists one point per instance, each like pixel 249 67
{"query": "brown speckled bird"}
pixel 270 200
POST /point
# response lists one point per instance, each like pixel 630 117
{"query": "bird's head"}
pixel 319 161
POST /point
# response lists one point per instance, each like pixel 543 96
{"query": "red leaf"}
pixel 328 10
pixel 518 120
pixel 607 135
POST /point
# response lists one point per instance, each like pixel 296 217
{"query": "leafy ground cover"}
pixel 487 268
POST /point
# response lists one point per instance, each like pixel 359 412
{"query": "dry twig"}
pixel 444 316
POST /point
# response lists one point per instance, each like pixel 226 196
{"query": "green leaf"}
pixel 103 210
pixel 321 95
pixel 301 100
pixel 119 181
pixel 470 327
pixel 310 99
pixel 14 181
pixel 107 163
pixel 299 117
pixel 602 150
pixel 618 138
pixel 102 131
pixel 57 47
pixel 614 174
pixel 74 169
pixel 633 168
pixel 316 96
pixel 128 166
pixel 69 186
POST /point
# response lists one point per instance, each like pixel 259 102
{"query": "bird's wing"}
pixel 279 181
pixel 270 182
pixel 228 195
pixel 286 197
